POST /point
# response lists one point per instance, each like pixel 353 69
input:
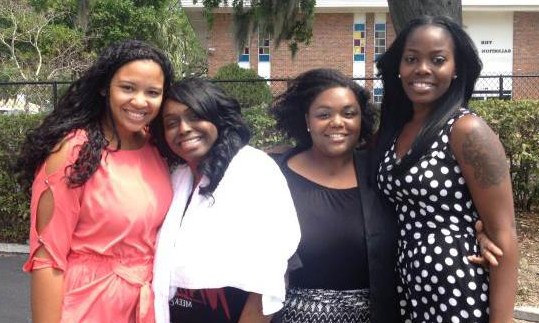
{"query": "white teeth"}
pixel 190 141
pixel 336 136
pixel 422 85
pixel 136 115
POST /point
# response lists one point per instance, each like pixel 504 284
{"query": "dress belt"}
pixel 139 275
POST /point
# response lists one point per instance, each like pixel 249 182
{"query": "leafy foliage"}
pixel 120 19
pixel 517 124
pixel 14 203
pixel 244 84
pixel 262 125
pixel 282 20
pixel 176 37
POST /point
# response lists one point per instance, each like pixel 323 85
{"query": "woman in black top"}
pixel 348 242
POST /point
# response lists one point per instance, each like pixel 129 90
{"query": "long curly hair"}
pixel 289 108
pixel 397 108
pixel 84 106
pixel 210 103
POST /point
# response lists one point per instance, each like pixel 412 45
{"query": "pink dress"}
pixel 103 234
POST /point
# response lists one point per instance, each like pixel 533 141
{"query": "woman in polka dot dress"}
pixel 443 168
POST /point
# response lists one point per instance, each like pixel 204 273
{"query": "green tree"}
pixel 33 46
pixel 161 23
pixel 176 37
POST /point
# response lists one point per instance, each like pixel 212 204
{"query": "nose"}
pixel 139 99
pixel 422 67
pixel 336 121
pixel 184 127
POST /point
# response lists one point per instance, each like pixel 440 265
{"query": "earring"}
pixel 454 77
pixel 399 76
pixel 308 129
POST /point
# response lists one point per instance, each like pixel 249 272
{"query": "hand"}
pixel 489 251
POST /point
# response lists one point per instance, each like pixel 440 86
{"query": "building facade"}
pixel 348 35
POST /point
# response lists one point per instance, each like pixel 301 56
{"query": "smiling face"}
pixel 135 95
pixel 334 120
pixel 187 134
pixel 427 66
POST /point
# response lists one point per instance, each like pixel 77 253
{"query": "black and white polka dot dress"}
pixel 436 221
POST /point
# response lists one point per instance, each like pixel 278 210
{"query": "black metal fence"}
pixel 16 97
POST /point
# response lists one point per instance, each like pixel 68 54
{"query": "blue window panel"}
pixel 263 58
pixel 378 91
pixel 380 27
pixel 359 27
pixel 359 57
pixel 244 58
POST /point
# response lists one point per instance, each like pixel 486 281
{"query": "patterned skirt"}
pixel 325 306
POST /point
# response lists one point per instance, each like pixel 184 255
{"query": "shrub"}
pixel 517 125
pixel 14 203
pixel 253 91
pixel 262 126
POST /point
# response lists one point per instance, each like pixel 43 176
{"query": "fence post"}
pixel 500 88
pixel 55 94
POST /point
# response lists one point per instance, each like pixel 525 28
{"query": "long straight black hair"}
pixel 397 108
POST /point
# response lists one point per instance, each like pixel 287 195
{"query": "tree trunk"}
pixel 402 11
pixel 83 13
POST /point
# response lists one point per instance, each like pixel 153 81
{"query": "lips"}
pixel 135 115
pixel 190 142
pixel 337 137
pixel 421 85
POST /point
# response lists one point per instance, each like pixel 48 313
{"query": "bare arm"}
pixel 252 311
pixel 46 284
pixel 482 160
pixel 47 294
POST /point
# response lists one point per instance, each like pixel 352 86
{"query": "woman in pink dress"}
pixel 100 191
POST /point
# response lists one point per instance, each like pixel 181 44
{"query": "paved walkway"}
pixel 15 290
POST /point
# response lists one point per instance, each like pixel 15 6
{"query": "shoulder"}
pixel 66 151
pixel 470 127
pixel 478 151
pixel 249 154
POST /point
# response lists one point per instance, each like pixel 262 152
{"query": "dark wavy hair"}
pixel 85 107
pixel 397 108
pixel 209 102
pixel 289 108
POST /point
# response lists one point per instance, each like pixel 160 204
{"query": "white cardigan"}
pixel 241 238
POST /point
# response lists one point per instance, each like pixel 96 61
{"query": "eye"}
pixel 170 123
pixel 438 60
pixel 127 87
pixel 409 59
pixel 352 113
pixel 193 117
pixel 322 115
pixel 154 93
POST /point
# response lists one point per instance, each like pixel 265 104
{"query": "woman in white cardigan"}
pixel 231 228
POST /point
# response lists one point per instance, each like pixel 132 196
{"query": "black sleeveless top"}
pixel 332 249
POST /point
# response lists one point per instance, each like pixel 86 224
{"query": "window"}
pixel 359 42
pixel 379 39
pixel 244 57
pixel 263 48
